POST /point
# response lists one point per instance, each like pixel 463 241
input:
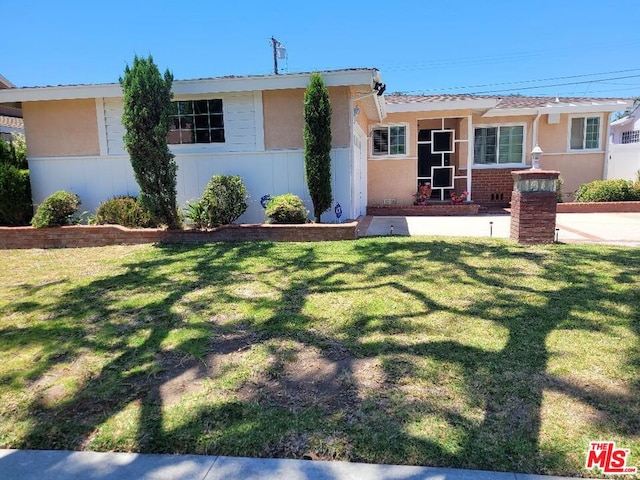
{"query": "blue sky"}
pixel 567 47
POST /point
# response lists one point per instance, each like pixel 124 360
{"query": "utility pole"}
pixel 278 52
pixel 275 43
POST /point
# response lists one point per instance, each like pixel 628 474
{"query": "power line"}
pixel 555 85
pixel 519 82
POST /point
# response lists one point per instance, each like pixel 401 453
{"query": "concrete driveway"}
pixel 607 228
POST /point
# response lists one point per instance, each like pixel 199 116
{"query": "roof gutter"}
pixel 194 87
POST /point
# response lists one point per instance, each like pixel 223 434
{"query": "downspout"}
pixel 605 172
pixel 534 139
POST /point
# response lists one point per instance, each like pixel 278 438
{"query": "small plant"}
pixel 559 184
pixel 15 196
pixel 123 210
pixel 608 191
pixel 196 213
pixel 223 201
pixel 458 199
pixel 56 210
pixel 423 194
pixel 287 208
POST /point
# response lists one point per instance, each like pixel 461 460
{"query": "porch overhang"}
pixel 466 104
pixel 591 107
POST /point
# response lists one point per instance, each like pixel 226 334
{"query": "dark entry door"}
pixel 428 159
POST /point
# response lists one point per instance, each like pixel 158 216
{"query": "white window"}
pixel 584 133
pixel 196 121
pixel 391 140
pixel 498 145
pixel 632 136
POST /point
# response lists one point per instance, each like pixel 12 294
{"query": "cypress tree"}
pixel 317 144
pixel 147 110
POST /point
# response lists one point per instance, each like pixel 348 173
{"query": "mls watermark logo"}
pixel 609 459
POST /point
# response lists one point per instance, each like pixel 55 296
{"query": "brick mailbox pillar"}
pixel 533 206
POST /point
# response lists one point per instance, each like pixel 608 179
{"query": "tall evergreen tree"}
pixel 317 144
pixel 147 110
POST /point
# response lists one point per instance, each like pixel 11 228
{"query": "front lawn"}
pixel 457 352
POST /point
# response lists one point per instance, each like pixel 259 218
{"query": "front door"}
pixel 430 159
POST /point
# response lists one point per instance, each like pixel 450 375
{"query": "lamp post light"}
pixel 536 153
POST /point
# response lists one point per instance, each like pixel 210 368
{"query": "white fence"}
pixel 624 161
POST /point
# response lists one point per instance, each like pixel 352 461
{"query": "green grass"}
pixel 460 353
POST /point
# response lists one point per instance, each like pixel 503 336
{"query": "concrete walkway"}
pixel 65 465
pixel 606 228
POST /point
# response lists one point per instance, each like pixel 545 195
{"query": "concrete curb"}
pixel 68 465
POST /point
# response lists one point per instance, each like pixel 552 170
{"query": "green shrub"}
pixel 15 196
pixel 196 213
pixel 57 209
pixel 14 152
pixel 559 184
pixel 223 201
pixel 608 191
pixel 125 211
pixel 287 208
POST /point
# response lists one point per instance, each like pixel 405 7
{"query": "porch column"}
pixel 469 156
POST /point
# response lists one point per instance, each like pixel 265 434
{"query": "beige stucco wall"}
pixel 283 121
pixel 552 138
pixel 575 169
pixel 391 179
pixel 59 128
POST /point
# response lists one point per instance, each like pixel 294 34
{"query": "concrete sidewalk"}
pixel 605 228
pixel 66 465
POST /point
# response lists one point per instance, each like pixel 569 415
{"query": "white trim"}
pixel 472 134
pixel 494 166
pixel 102 127
pixel 606 148
pixel 443 130
pixel 470 149
pixel 600 139
pixel 194 87
pixel 391 158
pixel 259 120
pixel 573 152
pixel 551 109
pixel 469 104
pixel 407 146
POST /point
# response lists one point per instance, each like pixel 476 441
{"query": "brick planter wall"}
pixel 431 210
pixel 598 207
pixel 533 213
pixel 101 235
pixel 492 187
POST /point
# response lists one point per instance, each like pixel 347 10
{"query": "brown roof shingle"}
pixel 11 122
pixel 505 102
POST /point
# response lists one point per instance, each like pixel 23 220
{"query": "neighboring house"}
pixel 249 126
pixel 10 115
pixel 624 150
pixel 472 143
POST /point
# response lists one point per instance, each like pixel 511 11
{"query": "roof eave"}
pixel 469 104
pixel 194 87
pixel 590 108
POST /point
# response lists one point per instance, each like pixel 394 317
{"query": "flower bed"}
pixel 428 210
pixel 101 235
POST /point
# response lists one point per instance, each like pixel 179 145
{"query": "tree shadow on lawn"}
pixel 370 421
